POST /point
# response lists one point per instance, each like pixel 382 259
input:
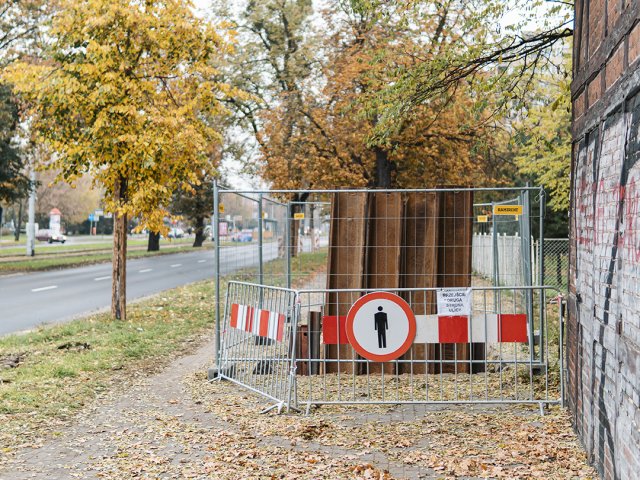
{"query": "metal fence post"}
pixel 260 242
pixel 525 225
pixel 561 348
pixel 543 207
pixel 288 244
pixel 215 230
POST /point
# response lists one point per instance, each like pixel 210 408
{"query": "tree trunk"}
pixel 199 240
pixel 18 223
pixel 153 245
pixel 119 265
pixel 384 168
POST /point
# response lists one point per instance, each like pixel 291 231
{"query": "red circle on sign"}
pixel 372 297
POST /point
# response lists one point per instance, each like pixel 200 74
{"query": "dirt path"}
pixel 177 425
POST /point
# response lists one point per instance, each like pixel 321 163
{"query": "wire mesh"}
pixel 335 245
pixel 489 369
pixel 257 340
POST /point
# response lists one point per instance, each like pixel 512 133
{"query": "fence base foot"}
pixel 277 405
pixel 542 407
pixel 217 373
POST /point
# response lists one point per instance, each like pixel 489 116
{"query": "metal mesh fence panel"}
pixel 335 245
pixel 490 366
pixel 258 340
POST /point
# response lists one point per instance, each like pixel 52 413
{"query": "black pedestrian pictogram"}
pixel 381 325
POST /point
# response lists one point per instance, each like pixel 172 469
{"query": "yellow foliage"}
pixel 130 96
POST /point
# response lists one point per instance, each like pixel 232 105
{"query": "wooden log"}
pixel 420 263
pixel 346 263
pixel 384 247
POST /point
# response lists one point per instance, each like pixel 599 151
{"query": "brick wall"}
pixel 603 328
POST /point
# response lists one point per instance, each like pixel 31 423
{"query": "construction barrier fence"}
pixel 303 259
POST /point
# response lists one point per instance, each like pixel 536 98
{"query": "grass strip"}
pixel 35 264
pixel 57 248
pixel 49 374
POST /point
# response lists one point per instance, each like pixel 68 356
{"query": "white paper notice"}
pixel 454 301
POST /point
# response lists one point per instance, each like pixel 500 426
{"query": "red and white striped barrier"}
pixel 263 323
pixel 482 328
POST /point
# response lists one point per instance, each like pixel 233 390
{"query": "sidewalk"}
pixel 177 425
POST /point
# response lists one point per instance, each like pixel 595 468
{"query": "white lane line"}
pixel 176 265
pixel 201 261
pixel 42 289
pixel 99 279
pixel 145 270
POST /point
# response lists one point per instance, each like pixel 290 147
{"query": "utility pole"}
pixel 31 226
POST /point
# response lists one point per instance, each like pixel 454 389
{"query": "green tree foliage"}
pixel 196 206
pixel 13 183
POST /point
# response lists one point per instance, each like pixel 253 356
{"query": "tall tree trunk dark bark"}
pixel 153 245
pixel 384 168
pixel 119 265
pixel 18 223
pixel 199 240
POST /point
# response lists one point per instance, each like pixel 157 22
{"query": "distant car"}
pixel 46 235
pixel 175 233
pixel 243 236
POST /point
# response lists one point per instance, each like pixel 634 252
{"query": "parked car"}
pixel 175 233
pixel 45 235
pixel 243 236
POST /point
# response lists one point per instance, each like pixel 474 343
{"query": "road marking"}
pixel 145 270
pixel 176 265
pixel 201 261
pixel 98 279
pixel 42 289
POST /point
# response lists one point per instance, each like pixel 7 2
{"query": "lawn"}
pixel 49 374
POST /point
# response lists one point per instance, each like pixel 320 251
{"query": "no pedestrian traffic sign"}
pixel 381 326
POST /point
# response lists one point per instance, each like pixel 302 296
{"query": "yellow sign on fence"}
pixel 507 210
pixel 483 218
pixel 298 216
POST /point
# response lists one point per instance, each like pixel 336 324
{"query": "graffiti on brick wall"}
pixel 606 232
pixel 601 206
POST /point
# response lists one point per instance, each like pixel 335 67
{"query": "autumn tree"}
pixel 443 144
pixel 20 34
pixel 125 97
pixel 22 25
pixel 544 137
pixel 483 50
pixel 275 63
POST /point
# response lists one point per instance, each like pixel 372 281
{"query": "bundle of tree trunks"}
pixel 394 240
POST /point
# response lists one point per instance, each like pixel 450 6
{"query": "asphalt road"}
pixel 29 300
